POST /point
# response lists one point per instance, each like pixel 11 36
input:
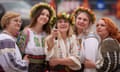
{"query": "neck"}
pixel 80 32
pixel 9 33
pixel 37 29
pixel 64 35
pixel 103 37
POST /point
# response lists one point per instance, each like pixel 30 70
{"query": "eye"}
pixel 102 25
pixel 59 21
pixel 66 21
pixel 47 15
pixel 16 20
pixel 79 18
pixel 85 20
pixel 97 25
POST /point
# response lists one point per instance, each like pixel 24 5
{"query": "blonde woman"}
pixel 87 41
pixel 10 57
pixel 61 52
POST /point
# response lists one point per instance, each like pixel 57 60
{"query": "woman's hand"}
pixel 55 33
pixel 89 64
pixel 54 61
pixel 26 58
pixel 50 39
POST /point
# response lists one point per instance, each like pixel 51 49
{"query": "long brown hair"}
pixel 46 27
pixel 112 28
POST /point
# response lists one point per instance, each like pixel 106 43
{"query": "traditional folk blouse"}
pixel 62 50
pixel 110 55
pixel 10 57
pixel 35 43
pixel 88 49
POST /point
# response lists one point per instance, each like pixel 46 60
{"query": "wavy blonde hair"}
pixel 7 17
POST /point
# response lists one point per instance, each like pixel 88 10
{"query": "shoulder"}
pixel 25 31
pixel 93 36
pixel 73 37
pixel 7 43
pixel 110 44
pixel 108 40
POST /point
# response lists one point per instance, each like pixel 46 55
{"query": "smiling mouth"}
pixel 63 27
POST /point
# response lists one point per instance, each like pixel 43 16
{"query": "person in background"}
pixel 61 46
pixel 109 46
pixel 31 41
pixel 10 57
pixel 87 41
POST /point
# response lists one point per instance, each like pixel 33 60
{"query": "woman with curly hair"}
pixel 109 46
pixel 87 41
pixel 62 52
pixel 10 57
pixel 31 41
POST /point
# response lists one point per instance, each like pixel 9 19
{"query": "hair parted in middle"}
pixel 36 11
pixel 87 11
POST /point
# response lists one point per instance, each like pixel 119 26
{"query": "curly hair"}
pixel 112 28
pixel 7 17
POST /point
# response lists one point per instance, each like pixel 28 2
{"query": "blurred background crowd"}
pixel 109 8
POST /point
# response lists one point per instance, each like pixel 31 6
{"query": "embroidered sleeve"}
pixel 9 59
pixel 50 53
pixel 73 54
pixel 21 42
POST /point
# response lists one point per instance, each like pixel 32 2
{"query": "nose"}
pixel 98 26
pixel 45 16
pixel 62 23
pixel 81 20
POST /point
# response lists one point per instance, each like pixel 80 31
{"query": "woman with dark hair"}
pixel 31 41
pixel 109 46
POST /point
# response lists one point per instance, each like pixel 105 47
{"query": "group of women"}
pixel 61 44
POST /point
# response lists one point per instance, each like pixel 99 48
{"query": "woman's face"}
pixel 44 17
pixel 63 25
pixel 82 21
pixel 14 25
pixel 101 29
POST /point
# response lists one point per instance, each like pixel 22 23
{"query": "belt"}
pixel 37 56
pixel 37 59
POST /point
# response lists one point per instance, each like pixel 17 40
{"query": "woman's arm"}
pixel 9 57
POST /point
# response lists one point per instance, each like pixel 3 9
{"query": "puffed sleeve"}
pixel 109 52
pixel 8 57
pixel 49 53
pixel 74 55
pixel 91 48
